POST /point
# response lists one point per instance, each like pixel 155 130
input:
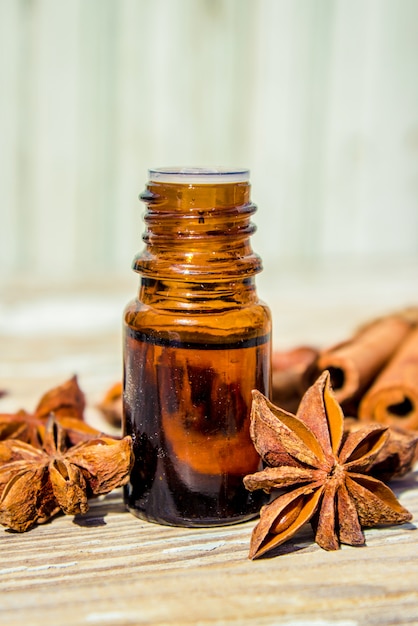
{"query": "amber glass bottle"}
pixel 196 342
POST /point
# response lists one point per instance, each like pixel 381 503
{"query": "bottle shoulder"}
pixel 253 319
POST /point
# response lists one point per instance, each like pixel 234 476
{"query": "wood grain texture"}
pixel 110 568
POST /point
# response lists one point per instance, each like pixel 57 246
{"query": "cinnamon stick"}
pixel 292 373
pixel 354 364
pixel 393 397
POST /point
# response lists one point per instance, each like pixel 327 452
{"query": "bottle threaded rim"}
pixel 199 175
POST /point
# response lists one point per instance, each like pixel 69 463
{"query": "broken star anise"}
pixel 35 483
pixel 66 402
pixel 322 471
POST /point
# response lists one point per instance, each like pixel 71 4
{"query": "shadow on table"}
pixel 100 507
pixel 401 485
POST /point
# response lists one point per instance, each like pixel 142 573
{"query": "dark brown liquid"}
pixel 187 407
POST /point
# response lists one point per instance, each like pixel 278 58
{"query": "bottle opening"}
pixel 198 175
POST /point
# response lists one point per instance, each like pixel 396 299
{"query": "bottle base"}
pixel 193 522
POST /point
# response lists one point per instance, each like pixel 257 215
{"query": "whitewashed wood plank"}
pixel 318 99
pixel 109 567
pixel 112 568
pixel 14 131
pixel 97 158
pixel 368 203
pixel 390 200
pixel 55 135
pixel 134 141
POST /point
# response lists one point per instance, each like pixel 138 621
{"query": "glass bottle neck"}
pixel 190 295
pixel 198 243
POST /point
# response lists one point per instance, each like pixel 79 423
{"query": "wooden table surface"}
pixel 110 568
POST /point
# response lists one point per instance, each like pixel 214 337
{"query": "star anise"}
pixel 328 468
pixel 397 457
pixel 111 405
pixel 35 484
pixel 66 402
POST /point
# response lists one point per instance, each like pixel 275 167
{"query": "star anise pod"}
pixel 111 405
pixel 397 457
pixel 35 484
pixel 20 425
pixel 329 470
pixel 65 401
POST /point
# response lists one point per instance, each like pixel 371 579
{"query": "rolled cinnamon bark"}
pixel 393 397
pixel 354 364
pixel 292 373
